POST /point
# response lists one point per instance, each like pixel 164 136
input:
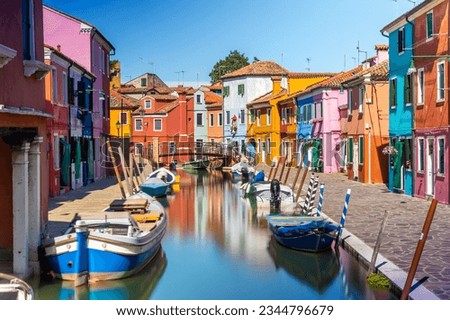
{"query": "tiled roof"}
pixel 131 90
pixel 216 86
pixel 336 81
pixel 212 98
pixel 308 75
pixel 181 89
pixel 258 68
pixel 160 97
pixel 379 71
pixel 267 97
pixel 166 108
pixel 118 100
pixel 381 47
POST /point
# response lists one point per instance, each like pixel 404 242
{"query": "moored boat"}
pixel 196 164
pixel 104 246
pixel 165 175
pixel 13 288
pixel 155 187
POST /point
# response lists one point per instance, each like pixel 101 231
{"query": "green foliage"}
pixel 378 281
pixel 234 61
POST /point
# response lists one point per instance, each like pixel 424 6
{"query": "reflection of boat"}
pixel 196 164
pixel 104 246
pixel 12 288
pixel 317 270
pixel 305 233
pixel 138 287
pixel 163 174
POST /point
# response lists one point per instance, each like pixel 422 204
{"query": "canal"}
pixel 217 247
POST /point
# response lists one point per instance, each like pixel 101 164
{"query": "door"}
pixel 430 167
pixel 355 159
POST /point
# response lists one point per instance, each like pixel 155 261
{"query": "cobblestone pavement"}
pixel 367 205
pixel 366 208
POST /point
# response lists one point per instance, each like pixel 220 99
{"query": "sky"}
pixel 181 40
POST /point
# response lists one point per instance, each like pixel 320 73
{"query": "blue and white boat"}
pixel 105 246
pixel 162 173
pixel 155 187
pixel 243 171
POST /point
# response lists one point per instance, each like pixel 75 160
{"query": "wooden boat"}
pixel 269 194
pixel 105 246
pixel 242 171
pixel 162 173
pixel 12 288
pixel 155 187
pixel 196 164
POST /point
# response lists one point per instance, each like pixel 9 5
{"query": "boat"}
pixel 304 233
pixel 155 187
pixel 243 170
pixel 269 194
pixel 316 270
pixel 105 246
pixel 196 164
pixel 13 288
pixel 137 287
pixel 162 173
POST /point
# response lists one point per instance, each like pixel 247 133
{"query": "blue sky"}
pixel 181 40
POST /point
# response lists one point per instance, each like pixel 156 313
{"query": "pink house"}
pixel 84 43
pixel 23 136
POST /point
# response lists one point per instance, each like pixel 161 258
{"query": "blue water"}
pixel 218 246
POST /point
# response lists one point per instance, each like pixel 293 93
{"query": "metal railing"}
pixel 16 286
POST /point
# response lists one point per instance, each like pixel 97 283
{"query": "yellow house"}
pixel 121 107
pixel 269 124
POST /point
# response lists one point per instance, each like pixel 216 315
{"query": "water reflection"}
pixel 137 287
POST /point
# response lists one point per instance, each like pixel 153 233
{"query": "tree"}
pixel 234 61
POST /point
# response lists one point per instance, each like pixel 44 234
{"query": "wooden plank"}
pixel 133 181
pixel 282 159
pixel 287 175
pixel 116 171
pixel 125 170
pixel 138 169
pixel 377 244
pixel 302 181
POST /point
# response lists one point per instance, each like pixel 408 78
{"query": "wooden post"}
pixel 287 175
pixel 125 171
pixel 133 180
pixel 282 168
pixel 270 172
pixel 296 176
pixel 419 249
pixel 276 169
pixel 302 181
pixel 140 173
pixel 377 244
pixel 116 171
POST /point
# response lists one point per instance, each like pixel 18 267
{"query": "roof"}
pixel 380 71
pixel 132 89
pixel 160 97
pixel 212 99
pixel 216 86
pixel 309 75
pixel 118 100
pixel 67 58
pixel 267 97
pixel 258 68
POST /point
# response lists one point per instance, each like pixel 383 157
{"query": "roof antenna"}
pixel 308 60
pixel 359 51
pixel 414 4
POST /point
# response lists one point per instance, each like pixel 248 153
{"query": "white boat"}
pixel 270 194
pixel 12 288
pixel 165 175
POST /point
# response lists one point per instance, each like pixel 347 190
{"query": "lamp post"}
pixel 118 127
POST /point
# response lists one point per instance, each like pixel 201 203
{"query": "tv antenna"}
pixel 308 60
pixel 361 51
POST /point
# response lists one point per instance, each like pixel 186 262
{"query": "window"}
pixel 283 116
pixel 269 116
pixel 401 40
pixel 361 149
pixel 242 116
pixel 226 91
pixel 420 155
pixel 350 101
pixel 157 125
pixel 408 89
pixel 440 81
pixel 199 118
pixel 211 120
pixel 138 124
pixel 139 149
pixel 56 151
pixel 258 146
pixel 143 82
pixel 393 93
pixel 441 156
pixel 252 116
pixel 55 85
pixel 269 145
pixel 258 117
pixel 227 117
pixel 319 110
pixel 420 86
pixel 361 93
pixel 148 104
pixel 123 118
pixel 199 98
pixel 350 149
pixel 241 89
pixel 219 119
pixel 171 147
pixel 429 25
pixel 28 41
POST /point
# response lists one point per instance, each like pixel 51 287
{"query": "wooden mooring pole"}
pixel 419 249
pixel 377 244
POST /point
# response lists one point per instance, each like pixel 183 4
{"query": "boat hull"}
pixel 154 190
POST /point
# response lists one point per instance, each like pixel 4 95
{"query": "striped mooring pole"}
pixel 313 196
pixel 344 212
pixel 308 194
pixel 319 205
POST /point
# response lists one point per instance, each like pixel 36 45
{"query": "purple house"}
pixel 319 128
pixel 83 43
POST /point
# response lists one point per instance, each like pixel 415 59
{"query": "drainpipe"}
pixel 413 151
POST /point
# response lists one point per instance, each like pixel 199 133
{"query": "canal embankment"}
pixel 366 208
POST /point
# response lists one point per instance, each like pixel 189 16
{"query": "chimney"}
pixel 58 47
pixel 276 84
pixel 382 51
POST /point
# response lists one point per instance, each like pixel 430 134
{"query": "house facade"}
pixel 84 43
pixel 367 120
pixel 240 87
pixel 23 135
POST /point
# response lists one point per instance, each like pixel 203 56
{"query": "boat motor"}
pixel 275 195
pixel 245 174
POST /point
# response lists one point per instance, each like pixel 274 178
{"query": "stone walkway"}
pixel 365 213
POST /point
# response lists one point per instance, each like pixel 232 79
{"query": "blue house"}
pixel 305 129
pixel 401 79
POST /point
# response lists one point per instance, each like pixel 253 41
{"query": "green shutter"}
pixel 429 24
pixel 350 150
pixel 361 150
